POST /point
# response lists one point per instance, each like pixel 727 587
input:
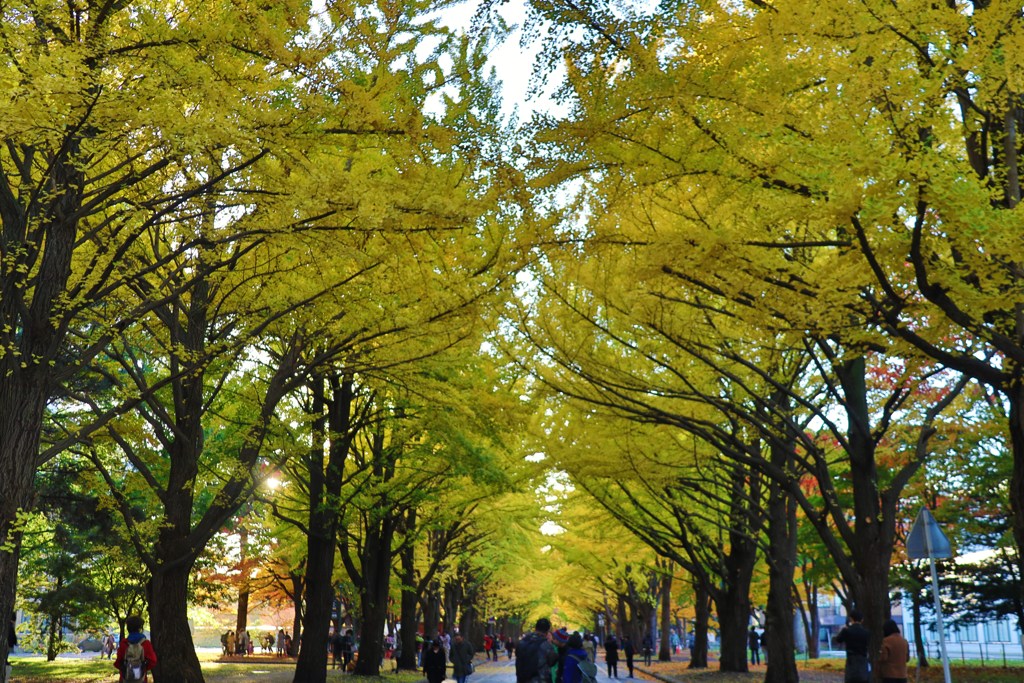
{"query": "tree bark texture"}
pixel 780 650
pixel 665 646
pixel 702 617
pixel 170 633
pixel 376 571
pixel 325 487
pixel 410 602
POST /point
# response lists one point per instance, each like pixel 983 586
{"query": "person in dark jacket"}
pixel 855 637
pixel 648 645
pixel 611 656
pixel 535 655
pixel 337 646
pixel 461 657
pixel 435 665
pixel 754 642
pixel 348 646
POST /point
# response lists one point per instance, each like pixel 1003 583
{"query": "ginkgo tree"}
pixel 211 202
pixel 787 181
pixel 705 514
pixel 115 116
pixel 878 145
pixel 624 326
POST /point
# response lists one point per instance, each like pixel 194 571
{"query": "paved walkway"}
pixel 504 671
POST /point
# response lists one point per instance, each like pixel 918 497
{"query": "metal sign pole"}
pixel 938 610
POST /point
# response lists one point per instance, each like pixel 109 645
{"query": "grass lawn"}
pixel 971 672
pixel 831 671
pixel 94 670
pixel 258 670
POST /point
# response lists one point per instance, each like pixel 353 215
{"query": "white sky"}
pixel 512 62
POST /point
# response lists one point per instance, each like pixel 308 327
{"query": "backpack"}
pixel 588 670
pixel 135 662
pixel 527 659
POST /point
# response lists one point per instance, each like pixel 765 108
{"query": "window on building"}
pixel 997 631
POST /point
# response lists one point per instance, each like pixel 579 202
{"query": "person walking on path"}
pixel 146 659
pixel 435 666
pixel 648 648
pixel 560 639
pixel 337 642
pixel 590 648
pixel 535 655
pixel 348 646
pixel 574 654
pixel 611 656
pixel 629 651
pixel 892 659
pixel 461 657
pixel 396 654
pixel 754 641
pixel 855 637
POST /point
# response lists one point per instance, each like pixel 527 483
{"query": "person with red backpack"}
pixel 135 654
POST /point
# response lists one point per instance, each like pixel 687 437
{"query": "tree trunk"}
pixel 1015 394
pixel 779 626
pixel 732 600
pixel 168 619
pixel 432 612
pixel 312 641
pixel 451 607
pixel 299 611
pixel 21 421
pixel 665 646
pixel 324 489
pixel 702 617
pixel 242 614
pixel 52 637
pixel 809 614
pixel 733 609
pixel 376 571
pixel 874 530
pixel 622 618
pixel 409 602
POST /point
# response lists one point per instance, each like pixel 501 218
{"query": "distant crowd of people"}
pixel 541 656
pixel 243 644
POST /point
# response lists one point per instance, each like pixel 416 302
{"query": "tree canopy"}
pixel 743 298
